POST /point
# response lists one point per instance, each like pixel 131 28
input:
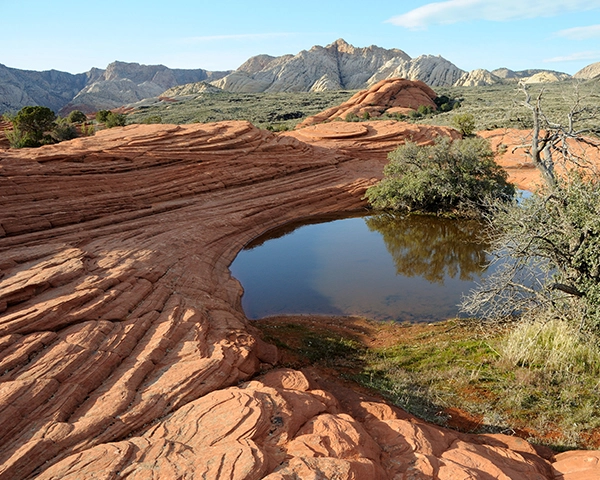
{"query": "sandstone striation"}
pixel 124 351
pixel 390 96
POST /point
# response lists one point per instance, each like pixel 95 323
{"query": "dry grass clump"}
pixel 552 345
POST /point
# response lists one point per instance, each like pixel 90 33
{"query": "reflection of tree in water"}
pixel 432 247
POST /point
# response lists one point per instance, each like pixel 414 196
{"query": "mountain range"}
pixel 338 66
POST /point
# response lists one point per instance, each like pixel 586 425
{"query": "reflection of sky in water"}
pixel 342 267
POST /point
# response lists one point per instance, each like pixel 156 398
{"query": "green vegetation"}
pixel 484 380
pixel 457 177
pixel 32 127
pixel 76 116
pixel 464 123
pixel 111 119
pixel 273 111
pixel 499 106
pixel 550 244
pixel 492 106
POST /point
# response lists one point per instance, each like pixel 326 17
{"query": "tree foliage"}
pixel 464 123
pixel 32 125
pixel 458 177
pixel 76 116
pixel 111 119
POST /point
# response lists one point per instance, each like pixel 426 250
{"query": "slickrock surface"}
pixel 3 140
pixel 369 140
pixel 124 351
pixel 394 95
pixel 521 170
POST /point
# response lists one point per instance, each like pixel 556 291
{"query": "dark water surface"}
pixel 413 268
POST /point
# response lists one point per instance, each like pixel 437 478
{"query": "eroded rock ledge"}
pixel 124 351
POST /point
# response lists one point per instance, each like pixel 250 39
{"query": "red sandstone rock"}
pixel 124 351
pixel 394 95
pixel 520 169
pixel 4 126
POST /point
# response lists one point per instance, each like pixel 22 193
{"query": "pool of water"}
pixel 386 267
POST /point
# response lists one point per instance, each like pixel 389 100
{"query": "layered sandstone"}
pixel 391 96
pixel 124 351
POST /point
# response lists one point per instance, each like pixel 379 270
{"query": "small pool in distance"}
pixel 385 267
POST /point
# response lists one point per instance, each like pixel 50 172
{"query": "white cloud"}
pixel 454 11
pixel 575 57
pixel 580 33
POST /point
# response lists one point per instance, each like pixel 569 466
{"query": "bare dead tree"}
pixel 547 249
pixel 550 139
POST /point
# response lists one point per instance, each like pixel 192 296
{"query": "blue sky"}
pixel 75 36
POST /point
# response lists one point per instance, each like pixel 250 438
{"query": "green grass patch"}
pixel 272 111
pixel 433 371
pixel 495 106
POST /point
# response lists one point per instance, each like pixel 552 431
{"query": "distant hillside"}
pixel 589 72
pixel 337 66
pixel 52 89
pixel 120 83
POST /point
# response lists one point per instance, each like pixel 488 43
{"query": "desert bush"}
pixel 102 115
pixel 111 119
pixel 445 104
pixel 457 177
pixel 548 251
pixel 32 126
pixel 63 130
pixel 352 117
pixel 424 110
pixel 152 119
pixel 464 123
pixel 19 139
pixel 76 116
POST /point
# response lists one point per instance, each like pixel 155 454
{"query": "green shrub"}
pixel 351 117
pixel 464 123
pixel 152 119
pixel 19 139
pixel 76 116
pixel 457 177
pixel 32 126
pixel 424 110
pixel 63 131
pixel 551 245
pixel 111 119
pixel 102 115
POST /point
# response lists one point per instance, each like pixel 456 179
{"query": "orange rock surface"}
pixel 521 170
pixel 124 351
pixel 4 126
pixel 394 95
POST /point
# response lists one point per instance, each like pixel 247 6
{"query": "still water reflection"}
pixel 385 267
